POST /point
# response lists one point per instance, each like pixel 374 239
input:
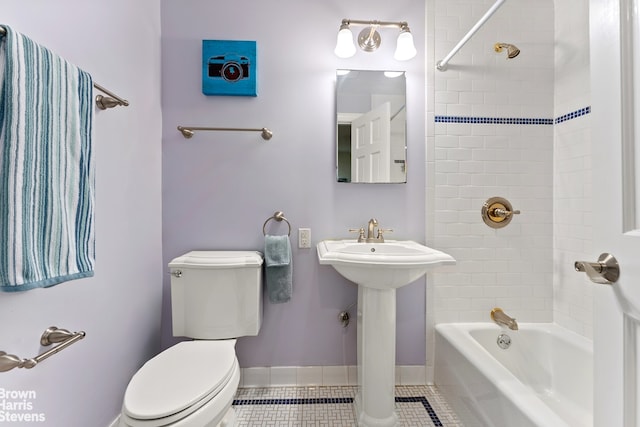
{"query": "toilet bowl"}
pixel 215 297
pixel 190 384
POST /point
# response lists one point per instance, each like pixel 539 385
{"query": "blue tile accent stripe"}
pixel 337 400
pixel 421 399
pixel 294 401
pixel 574 114
pixel 512 120
pixel 493 120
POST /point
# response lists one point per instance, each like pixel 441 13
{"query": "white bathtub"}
pixel 544 379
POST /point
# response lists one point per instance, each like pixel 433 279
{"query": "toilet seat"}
pixel 179 381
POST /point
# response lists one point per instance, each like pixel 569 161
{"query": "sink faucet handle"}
pixel 360 232
pixel 381 231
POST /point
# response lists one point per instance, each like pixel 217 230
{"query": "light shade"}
pixel 405 49
pixel 393 74
pixel 345 48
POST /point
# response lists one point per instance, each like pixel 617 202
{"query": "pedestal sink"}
pixel 378 269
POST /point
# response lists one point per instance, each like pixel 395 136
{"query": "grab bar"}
pixel 102 102
pixel 51 335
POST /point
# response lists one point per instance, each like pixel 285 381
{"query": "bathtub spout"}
pixel 499 316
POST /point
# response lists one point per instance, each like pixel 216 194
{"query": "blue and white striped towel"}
pixel 46 167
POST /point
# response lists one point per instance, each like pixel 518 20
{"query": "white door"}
pixel 616 194
pixel 371 145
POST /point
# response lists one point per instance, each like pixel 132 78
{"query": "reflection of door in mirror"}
pixel 371 127
pixel 371 145
pixel 344 152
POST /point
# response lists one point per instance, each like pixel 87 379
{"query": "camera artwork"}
pixel 229 67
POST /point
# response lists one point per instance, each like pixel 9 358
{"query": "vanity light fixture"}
pixel 393 74
pixel 369 39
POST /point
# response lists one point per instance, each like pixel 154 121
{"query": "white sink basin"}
pixel 378 269
pixel 387 265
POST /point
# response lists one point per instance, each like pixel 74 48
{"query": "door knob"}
pixel 605 271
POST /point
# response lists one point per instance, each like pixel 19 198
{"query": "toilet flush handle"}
pixel 176 273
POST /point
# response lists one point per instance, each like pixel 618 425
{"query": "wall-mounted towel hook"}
pixel 278 216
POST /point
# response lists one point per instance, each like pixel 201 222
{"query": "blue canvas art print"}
pixel 229 67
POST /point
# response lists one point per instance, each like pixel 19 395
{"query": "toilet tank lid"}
pixel 212 259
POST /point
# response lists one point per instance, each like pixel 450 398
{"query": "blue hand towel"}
pixel 278 268
pixel 46 167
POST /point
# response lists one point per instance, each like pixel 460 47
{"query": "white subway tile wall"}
pixel 494 137
pixel 493 133
pixel 573 297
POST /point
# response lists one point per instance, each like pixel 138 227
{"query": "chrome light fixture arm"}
pixel 369 38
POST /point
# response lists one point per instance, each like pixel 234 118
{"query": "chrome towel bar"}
pixel 102 102
pixel 51 335
pixel 188 131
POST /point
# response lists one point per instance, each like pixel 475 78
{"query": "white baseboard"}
pixel 305 376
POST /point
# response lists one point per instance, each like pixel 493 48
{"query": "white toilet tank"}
pixel 216 294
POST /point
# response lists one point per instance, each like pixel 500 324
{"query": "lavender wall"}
pixel 219 188
pixel 119 308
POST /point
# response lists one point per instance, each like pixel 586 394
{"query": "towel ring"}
pixel 278 216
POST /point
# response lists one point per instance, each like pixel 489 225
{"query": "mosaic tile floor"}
pixel 417 406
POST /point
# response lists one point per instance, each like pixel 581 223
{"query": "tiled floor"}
pixel 419 406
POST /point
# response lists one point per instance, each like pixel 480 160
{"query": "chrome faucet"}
pixel 499 316
pixel 373 224
pixel 372 236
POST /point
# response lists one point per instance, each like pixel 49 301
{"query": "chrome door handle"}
pixel 605 271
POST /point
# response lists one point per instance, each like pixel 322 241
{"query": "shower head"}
pixel 512 51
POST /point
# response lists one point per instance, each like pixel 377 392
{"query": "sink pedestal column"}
pixel 376 336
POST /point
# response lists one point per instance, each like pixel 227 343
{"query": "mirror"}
pixel 371 126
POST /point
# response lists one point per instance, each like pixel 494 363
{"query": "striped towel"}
pixel 46 167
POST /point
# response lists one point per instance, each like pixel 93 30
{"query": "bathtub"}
pixel 545 377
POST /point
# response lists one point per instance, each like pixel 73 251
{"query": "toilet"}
pixel 216 296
